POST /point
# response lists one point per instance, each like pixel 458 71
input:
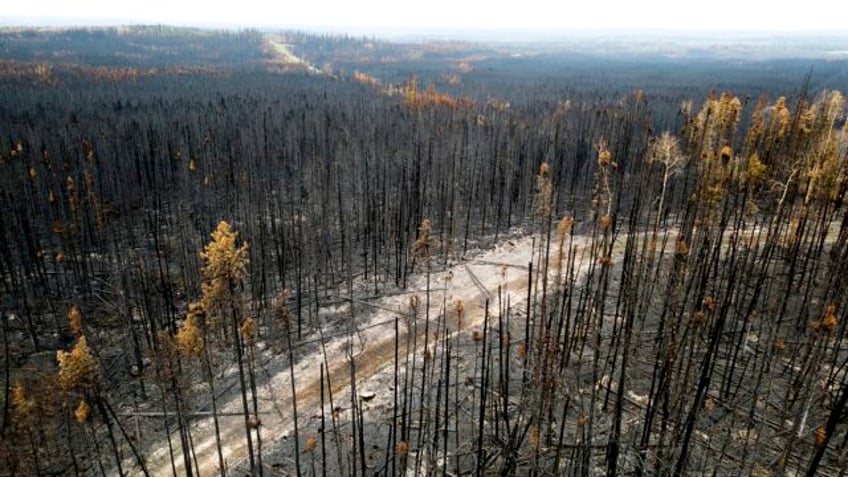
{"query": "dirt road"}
pixel 472 281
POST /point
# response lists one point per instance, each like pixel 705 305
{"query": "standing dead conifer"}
pixel 424 244
pixel 421 251
pixel 563 230
pixel 78 368
pixel 283 317
pixel 189 340
pixel 603 197
pixel 544 191
pixel 224 268
pixel 665 150
pixel 75 321
pixel 193 339
pixel 459 309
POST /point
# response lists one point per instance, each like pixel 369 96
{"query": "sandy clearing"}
pixel 503 265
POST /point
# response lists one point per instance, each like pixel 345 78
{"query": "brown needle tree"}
pixel 224 268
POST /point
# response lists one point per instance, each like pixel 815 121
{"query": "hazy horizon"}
pixel 429 33
pixel 444 16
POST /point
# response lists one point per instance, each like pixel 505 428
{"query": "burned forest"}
pixel 286 253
